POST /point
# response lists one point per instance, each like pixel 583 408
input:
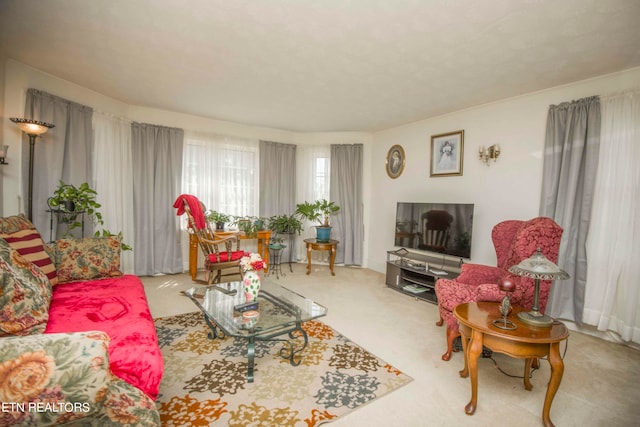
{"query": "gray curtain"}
pixel 157 177
pixel 277 178
pixel 63 153
pixel 570 164
pixel 346 192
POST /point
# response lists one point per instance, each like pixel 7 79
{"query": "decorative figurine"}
pixel 506 285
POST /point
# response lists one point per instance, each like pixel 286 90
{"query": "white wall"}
pixel 508 189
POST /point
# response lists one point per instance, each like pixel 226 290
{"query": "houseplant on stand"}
pixel 319 211
pixel 285 224
pixel 69 201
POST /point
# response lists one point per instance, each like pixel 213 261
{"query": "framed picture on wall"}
pixel 395 161
pixel 447 151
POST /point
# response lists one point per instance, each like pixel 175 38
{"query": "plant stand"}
pixel 63 217
pixel 275 254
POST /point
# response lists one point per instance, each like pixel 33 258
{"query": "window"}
pixel 320 176
pixel 222 171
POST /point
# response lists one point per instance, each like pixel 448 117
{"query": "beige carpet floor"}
pixel 599 387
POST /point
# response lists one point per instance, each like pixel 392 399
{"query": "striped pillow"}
pixel 30 245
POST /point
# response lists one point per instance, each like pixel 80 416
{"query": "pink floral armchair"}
pixel 513 241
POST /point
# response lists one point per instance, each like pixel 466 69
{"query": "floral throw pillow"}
pixel 88 258
pixel 25 294
pixel 11 224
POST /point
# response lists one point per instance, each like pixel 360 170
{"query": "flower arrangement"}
pixel 252 262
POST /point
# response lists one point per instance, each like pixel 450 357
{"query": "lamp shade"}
pixel 32 127
pixel 537 266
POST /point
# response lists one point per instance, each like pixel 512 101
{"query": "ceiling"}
pixel 320 65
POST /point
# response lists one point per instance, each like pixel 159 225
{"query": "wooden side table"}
pixel 321 246
pixel 527 342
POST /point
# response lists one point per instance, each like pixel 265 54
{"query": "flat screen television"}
pixel 435 227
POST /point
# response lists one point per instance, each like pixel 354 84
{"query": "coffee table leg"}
pixel 215 332
pixel 557 369
pixel 473 351
pixel 289 352
pixel 251 353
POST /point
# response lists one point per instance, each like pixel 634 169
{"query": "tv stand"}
pixel 407 272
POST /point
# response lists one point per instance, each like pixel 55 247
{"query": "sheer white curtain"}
pixel 313 169
pixel 222 171
pixel 112 178
pixel 612 294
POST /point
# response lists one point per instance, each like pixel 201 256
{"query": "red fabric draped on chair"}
pixel 514 241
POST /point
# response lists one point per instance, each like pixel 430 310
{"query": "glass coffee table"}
pixel 280 312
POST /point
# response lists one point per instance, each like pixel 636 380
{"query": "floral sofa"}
pixel 78 344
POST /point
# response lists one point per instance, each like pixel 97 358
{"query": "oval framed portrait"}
pixel 395 161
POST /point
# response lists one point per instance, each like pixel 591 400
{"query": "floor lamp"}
pixel 33 128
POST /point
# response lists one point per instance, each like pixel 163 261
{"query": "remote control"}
pixel 253 305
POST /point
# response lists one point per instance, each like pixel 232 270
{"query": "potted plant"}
pixel 319 211
pixel 285 224
pixel 218 218
pixel 68 201
pixel 250 225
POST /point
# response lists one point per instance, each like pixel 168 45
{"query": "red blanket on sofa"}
pixel 117 306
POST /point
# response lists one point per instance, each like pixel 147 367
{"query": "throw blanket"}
pixel 194 206
pixel 117 306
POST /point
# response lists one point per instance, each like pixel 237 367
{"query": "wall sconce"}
pixel 3 154
pixel 489 153
pixel 33 128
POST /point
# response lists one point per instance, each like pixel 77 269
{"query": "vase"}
pixel 251 282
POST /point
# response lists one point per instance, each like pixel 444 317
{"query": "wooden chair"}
pixel 219 253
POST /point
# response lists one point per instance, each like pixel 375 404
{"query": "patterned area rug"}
pixel 205 380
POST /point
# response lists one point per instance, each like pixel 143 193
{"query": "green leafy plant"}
pixel 250 225
pixel 285 224
pixel 71 199
pixel 68 201
pixel 319 211
pixel 216 217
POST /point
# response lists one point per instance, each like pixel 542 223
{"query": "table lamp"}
pixel 537 267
